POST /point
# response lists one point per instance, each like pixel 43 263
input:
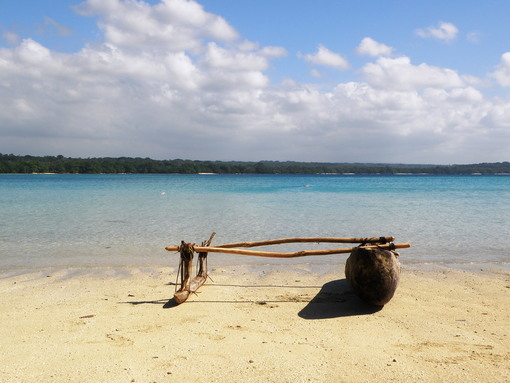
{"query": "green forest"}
pixel 10 163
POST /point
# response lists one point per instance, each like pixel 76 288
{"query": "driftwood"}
pixel 185 269
pixel 310 240
pixel 191 285
pixel 305 253
pixel 372 269
pixel 373 273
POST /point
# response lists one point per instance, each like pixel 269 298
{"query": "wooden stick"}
pixel 305 253
pixel 191 285
pixel 196 282
pixel 186 267
pixel 300 239
pixel 309 239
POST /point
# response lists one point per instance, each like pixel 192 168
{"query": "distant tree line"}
pixel 10 163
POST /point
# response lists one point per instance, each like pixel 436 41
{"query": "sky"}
pixel 397 81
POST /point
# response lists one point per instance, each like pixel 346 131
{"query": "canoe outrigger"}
pixel 372 268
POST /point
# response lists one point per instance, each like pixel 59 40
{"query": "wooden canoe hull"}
pixel 373 274
pixel 183 294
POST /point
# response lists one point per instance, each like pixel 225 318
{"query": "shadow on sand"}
pixel 336 300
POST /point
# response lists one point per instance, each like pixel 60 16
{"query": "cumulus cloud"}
pixel 502 73
pixel 172 24
pixel 325 57
pixel 219 57
pixel 399 73
pixel 173 81
pixel 370 47
pixel 445 32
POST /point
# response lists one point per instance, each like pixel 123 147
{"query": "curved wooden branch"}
pixel 381 240
pixel 390 246
pixel 310 240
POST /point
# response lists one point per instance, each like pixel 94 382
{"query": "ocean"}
pixel 63 221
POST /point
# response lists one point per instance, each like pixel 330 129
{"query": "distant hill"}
pixel 10 163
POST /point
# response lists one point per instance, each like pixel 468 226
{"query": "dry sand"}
pixel 253 325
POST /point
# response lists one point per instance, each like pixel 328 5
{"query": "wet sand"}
pixel 264 324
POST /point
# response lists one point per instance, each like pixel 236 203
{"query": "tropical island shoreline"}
pixel 10 163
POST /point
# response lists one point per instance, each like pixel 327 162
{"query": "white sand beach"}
pixel 266 326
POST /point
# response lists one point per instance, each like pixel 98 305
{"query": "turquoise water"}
pixel 118 220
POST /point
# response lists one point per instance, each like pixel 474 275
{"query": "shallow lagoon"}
pixel 122 220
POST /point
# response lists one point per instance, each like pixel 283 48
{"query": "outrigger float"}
pixel 372 269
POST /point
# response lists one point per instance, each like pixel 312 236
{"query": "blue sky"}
pixel 337 81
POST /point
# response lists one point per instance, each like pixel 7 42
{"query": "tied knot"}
pixel 186 250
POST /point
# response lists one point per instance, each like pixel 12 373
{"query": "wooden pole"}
pixel 390 246
pixel 310 240
pixel 186 267
pixel 191 285
pixel 300 240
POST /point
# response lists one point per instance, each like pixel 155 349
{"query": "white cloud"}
pixel 325 57
pixel 219 57
pixel 502 73
pixel 273 52
pixel 370 47
pixel 34 56
pixel 232 67
pixel 446 32
pixel 11 38
pixel 172 24
pixel 399 73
